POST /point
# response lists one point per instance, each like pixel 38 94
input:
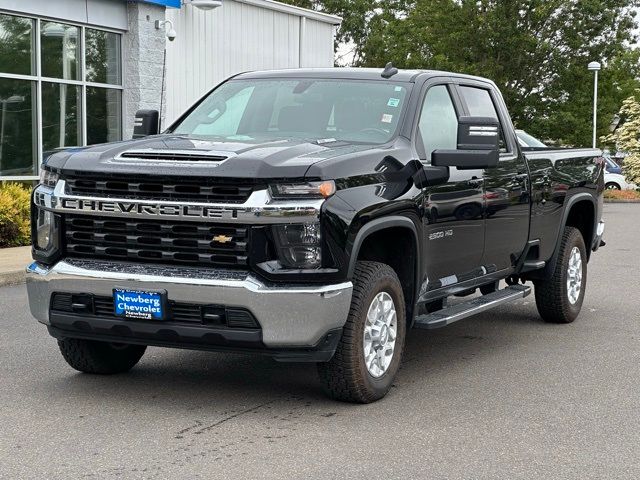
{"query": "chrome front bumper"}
pixel 290 316
pixel 597 241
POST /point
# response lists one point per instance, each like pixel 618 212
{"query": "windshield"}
pixel 306 109
pixel 527 140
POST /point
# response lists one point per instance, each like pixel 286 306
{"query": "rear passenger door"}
pixel 507 206
pixel 454 225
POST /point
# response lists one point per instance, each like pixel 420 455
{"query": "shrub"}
pixel 15 229
pixel 627 137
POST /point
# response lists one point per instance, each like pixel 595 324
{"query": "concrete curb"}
pixel 13 263
pixel 15 277
pixel 611 200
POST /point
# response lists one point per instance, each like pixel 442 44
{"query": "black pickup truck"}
pixel 311 215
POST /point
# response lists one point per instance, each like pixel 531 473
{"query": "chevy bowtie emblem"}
pixel 222 239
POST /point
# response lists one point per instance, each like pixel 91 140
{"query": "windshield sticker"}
pixel 393 102
pixel 387 118
pixel 398 89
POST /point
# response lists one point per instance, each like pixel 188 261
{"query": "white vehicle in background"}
pixel 615 181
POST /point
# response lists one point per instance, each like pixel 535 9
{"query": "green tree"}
pixel 536 51
pixel 627 137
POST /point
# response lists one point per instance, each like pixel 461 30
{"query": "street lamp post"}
pixel 595 68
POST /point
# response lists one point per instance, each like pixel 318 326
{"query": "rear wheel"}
pixel 559 298
pixel 100 357
pixel 369 353
pixel 612 186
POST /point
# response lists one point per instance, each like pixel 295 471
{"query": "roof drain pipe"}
pixel 303 35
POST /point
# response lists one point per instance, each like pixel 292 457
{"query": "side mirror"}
pixel 478 145
pixel 146 123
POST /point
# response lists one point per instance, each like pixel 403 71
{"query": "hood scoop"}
pixel 190 156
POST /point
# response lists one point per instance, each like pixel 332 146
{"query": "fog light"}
pixel 299 245
pixel 44 226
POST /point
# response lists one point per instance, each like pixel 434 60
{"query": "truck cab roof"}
pixel 356 74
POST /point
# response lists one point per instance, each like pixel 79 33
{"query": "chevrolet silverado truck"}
pixel 313 215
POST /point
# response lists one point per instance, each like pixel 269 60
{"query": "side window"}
pixel 480 104
pixel 438 126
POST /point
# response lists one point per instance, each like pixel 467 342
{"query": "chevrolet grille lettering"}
pixel 146 209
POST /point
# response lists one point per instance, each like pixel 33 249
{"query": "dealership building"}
pixel 74 72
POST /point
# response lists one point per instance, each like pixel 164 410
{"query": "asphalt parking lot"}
pixel 501 395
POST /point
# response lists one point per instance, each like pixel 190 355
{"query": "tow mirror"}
pixel 429 176
pixel 146 123
pixel 478 145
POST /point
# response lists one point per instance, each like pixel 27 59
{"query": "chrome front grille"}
pixel 201 190
pixel 157 241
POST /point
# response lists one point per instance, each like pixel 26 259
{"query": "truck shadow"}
pixel 186 379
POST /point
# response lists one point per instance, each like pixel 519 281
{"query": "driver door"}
pixel 454 211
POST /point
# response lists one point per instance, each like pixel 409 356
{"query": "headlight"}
pixel 47 177
pixel 45 235
pixel 303 190
pixel 299 245
pixel 44 229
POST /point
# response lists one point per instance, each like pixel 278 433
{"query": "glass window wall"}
pixel 60 86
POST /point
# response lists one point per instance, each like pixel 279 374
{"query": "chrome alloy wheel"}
pixel 380 332
pixel 574 276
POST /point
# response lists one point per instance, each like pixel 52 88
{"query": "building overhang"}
pixel 268 5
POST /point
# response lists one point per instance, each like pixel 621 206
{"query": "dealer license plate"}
pixel 139 304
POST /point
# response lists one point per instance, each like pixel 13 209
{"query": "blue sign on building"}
pixel 166 3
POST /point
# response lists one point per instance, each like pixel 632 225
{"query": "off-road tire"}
pixel 551 294
pixel 345 377
pixel 100 357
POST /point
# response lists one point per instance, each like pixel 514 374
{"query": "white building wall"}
pixel 241 35
pixel 317 49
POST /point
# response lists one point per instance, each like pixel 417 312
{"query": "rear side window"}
pixel 438 126
pixel 480 104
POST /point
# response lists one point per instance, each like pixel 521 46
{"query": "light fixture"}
pixel 204 4
pixel 57 30
pixel 171 33
pixel 595 68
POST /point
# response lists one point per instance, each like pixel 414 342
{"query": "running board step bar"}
pixel 448 315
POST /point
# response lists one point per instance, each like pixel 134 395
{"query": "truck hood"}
pixel 157 155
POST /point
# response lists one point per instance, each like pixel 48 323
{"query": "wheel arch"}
pixel 379 240
pixel 580 211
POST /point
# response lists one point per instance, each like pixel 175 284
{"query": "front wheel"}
pixel 370 350
pixel 559 298
pixel 612 186
pixel 100 357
